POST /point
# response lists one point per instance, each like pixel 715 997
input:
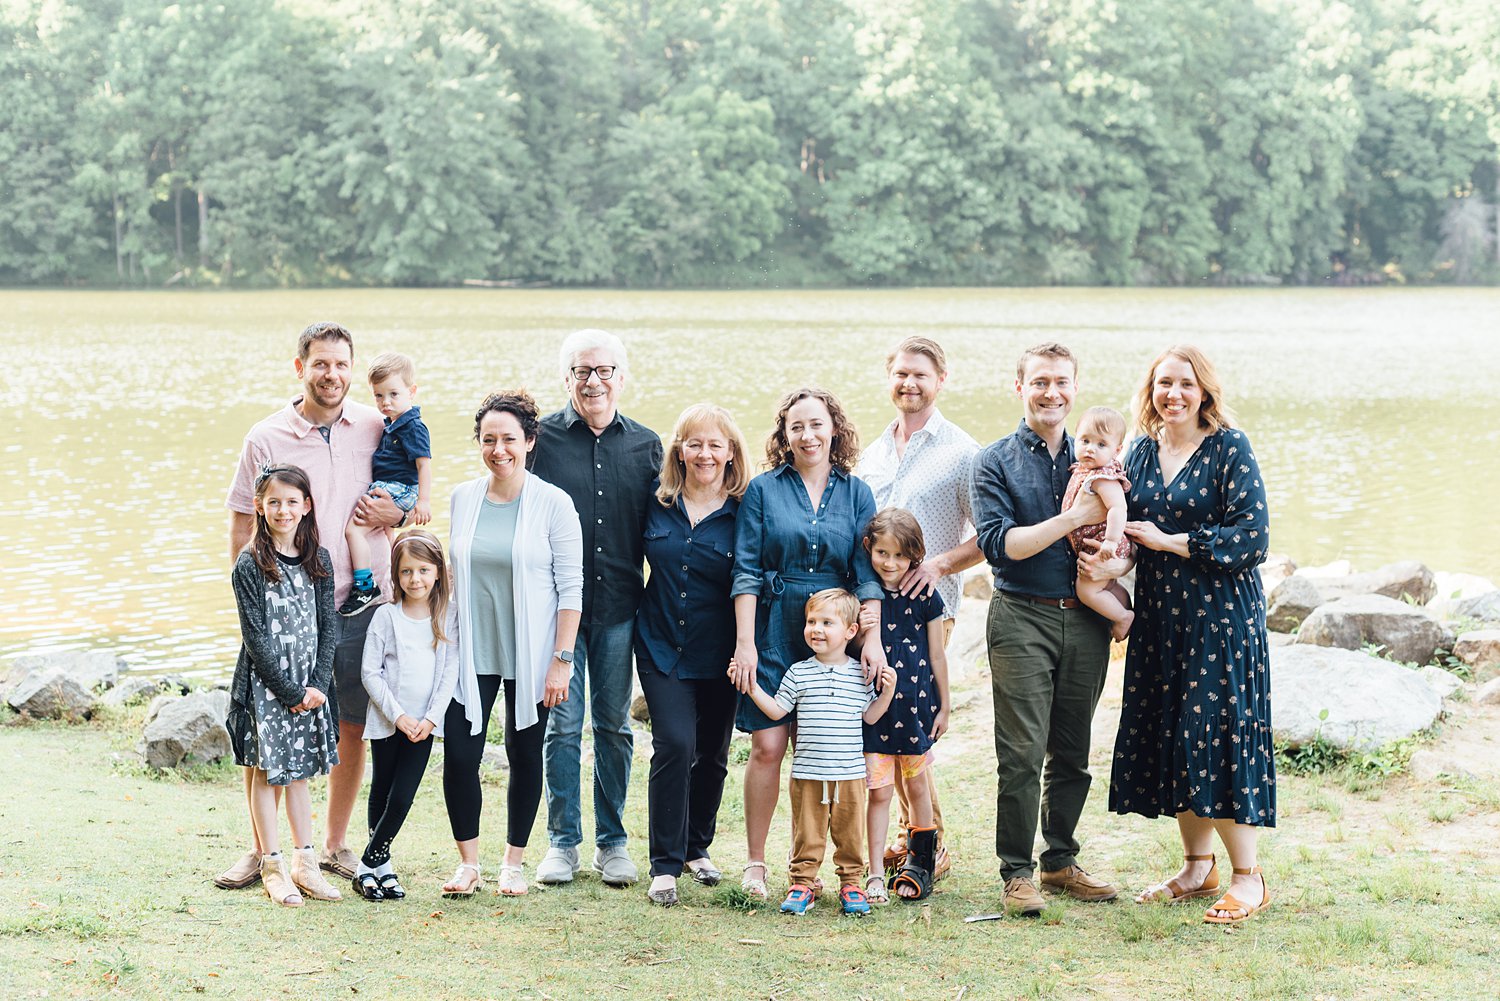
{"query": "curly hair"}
pixel 1213 414
pixel 844 452
pixel 516 402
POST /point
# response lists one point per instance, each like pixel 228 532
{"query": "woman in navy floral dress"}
pixel 1195 726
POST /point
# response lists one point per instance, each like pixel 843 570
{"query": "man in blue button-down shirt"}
pixel 1048 654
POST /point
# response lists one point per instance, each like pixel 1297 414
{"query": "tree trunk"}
pixel 202 227
pixel 177 218
pixel 119 253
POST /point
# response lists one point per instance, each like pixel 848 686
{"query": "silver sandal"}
pixel 473 887
pixel 755 887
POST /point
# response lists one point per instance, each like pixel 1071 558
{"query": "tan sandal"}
pixel 1229 902
pixel 1172 892
pixel 278 883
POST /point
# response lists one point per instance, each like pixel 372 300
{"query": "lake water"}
pixel 1375 412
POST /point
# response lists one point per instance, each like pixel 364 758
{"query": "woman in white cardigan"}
pixel 517 552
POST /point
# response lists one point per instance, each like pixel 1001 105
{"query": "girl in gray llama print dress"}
pixel 280 722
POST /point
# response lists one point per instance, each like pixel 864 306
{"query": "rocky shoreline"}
pixel 1358 660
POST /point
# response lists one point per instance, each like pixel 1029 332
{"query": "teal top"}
pixel 492 596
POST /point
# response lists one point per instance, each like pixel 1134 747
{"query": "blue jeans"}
pixel 603 655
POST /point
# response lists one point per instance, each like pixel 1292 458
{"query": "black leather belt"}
pixel 1045 602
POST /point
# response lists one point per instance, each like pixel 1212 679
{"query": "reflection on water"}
pixel 1373 412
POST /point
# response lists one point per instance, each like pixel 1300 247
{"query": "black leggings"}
pixel 462 752
pixel 398 768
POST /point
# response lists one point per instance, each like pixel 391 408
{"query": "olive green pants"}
pixel 1047 669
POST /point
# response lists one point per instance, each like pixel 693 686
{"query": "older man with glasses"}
pixel 607 463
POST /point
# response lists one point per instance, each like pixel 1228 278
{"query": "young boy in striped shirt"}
pixel 832 701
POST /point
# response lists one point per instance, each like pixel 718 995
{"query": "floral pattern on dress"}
pixel 1195 721
pixel 290 746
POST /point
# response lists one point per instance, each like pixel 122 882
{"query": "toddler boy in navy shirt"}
pixel 401 466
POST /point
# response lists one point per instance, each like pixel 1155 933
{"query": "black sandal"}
pixel 390 885
pixel 920 859
pixel 366 885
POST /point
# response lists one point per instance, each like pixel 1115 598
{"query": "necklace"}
pixel 697 510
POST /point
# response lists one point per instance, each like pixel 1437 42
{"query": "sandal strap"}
pixel 1229 902
pixel 1200 858
pixel 1253 870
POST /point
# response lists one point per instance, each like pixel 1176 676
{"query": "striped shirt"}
pixel 830 701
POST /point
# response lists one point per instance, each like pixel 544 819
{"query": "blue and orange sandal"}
pixel 799 900
pixel 854 901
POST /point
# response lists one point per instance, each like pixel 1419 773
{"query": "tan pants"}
pixel 903 811
pixel 814 820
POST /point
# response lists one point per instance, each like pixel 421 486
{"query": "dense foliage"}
pixel 748 142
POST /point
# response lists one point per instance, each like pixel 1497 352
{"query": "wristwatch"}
pixel 566 656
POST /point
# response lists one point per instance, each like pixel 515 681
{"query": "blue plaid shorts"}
pixel 404 494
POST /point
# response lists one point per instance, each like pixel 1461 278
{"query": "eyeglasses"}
pixel 605 372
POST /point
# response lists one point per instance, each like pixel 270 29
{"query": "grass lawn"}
pixel 1383 888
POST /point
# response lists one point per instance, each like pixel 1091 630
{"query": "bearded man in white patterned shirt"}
pixel 921 463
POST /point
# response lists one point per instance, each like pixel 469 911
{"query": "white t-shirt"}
pixel 418 661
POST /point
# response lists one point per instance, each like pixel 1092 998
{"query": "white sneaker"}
pixel 614 866
pixel 558 866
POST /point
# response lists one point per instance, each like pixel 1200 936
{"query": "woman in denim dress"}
pixel 798 532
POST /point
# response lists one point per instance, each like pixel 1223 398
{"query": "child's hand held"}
pixel 421 514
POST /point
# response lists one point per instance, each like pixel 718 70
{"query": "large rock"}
pixel 1445 683
pixel 979 584
pixel 1338 568
pixel 91 670
pixel 1290 602
pixel 1484 608
pixel 1489 694
pixel 50 694
pixel 1408 580
pixel 1276 568
pixel 1370 702
pixel 1458 586
pixel 130 689
pixel 188 730
pixel 968 648
pixel 1400 631
pixel 1480 649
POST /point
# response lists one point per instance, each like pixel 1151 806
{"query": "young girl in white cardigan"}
pixel 517 551
pixel 410 665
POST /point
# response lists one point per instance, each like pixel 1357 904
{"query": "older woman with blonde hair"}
pixel 1195 725
pixel 684 637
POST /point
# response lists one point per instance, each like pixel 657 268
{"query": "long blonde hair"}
pixel 1213 414
pixel 424 547
pixel 673 469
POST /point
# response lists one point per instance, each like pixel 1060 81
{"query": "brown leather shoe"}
pixel 244 872
pixel 1022 897
pixel 1079 885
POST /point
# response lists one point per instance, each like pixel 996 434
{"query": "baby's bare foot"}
pixel 1121 628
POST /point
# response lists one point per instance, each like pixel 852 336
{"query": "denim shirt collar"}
pixel 790 468
pixel 1034 441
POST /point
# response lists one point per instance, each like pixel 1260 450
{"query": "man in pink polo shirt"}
pixel 333 439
